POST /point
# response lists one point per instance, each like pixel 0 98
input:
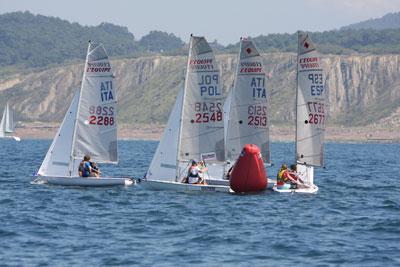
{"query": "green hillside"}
pixel 37 41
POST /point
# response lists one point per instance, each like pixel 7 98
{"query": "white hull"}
pixel 16 138
pixel 309 190
pixel 211 181
pixel 182 187
pixel 80 181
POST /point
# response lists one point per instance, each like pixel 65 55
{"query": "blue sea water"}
pixel 354 220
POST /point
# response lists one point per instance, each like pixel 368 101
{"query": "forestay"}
pixel 96 128
pixel 202 126
pixel 311 104
pixel 163 165
pixel 248 111
pixel 57 160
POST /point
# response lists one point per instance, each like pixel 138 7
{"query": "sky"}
pixel 222 20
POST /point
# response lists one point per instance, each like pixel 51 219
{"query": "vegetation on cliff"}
pixel 37 41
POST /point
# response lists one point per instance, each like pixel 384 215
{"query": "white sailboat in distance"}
pixel 89 128
pixel 7 125
pixel 195 129
pixel 311 93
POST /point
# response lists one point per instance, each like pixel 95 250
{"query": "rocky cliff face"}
pixel 363 90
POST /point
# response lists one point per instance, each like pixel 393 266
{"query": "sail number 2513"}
pixel 101 115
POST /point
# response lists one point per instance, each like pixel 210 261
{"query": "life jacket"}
pixel 281 177
pixel 193 171
pixel 85 169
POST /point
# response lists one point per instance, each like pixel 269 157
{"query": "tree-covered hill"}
pixel 389 21
pixel 37 41
pixel 334 42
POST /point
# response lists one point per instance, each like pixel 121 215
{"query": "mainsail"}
pixel 202 126
pixel 96 128
pixel 7 122
pixel 310 104
pixel 248 105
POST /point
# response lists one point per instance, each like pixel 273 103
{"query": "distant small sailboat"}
pixel 7 125
pixel 310 114
pixel 195 126
pixel 89 128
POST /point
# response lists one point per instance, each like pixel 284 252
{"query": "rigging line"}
pixel 308 137
pixel 312 156
pixel 249 135
pixel 203 134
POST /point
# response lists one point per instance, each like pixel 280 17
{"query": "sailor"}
pixel 95 169
pixel 85 168
pixel 282 180
pixel 294 177
pixel 194 174
pixel 228 174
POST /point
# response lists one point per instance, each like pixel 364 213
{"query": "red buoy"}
pixel 248 174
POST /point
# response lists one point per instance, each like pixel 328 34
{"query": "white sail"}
pixel 7 122
pixel 57 160
pixel 248 111
pixel 163 165
pixel 3 124
pixel 202 126
pixel 96 127
pixel 310 104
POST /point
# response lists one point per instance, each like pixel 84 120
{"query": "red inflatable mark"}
pixel 249 174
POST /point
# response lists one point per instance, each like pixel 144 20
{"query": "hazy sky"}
pixel 224 20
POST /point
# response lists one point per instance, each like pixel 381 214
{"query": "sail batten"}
pixel 247 105
pixel 310 104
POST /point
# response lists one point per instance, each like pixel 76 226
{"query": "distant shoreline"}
pixel 279 133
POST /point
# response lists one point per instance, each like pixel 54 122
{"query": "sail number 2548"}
pixel 207 112
pixel 101 115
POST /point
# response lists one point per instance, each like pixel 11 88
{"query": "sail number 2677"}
pixel 101 115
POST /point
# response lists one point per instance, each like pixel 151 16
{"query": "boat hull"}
pixel 16 138
pixel 310 190
pixel 86 182
pixel 182 187
pixel 211 181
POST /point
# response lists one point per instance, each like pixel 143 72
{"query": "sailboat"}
pixel 247 108
pixel 195 128
pixel 89 128
pixel 7 124
pixel 310 114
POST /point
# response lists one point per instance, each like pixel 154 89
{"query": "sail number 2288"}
pixel 101 115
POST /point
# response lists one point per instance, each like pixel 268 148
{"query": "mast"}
pixel 71 160
pixel 232 95
pixel 182 109
pixel 297 94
